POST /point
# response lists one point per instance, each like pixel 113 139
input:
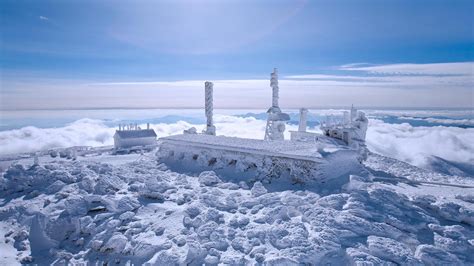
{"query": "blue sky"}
pixel 119 53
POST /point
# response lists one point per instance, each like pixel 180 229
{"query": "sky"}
pixel 157 54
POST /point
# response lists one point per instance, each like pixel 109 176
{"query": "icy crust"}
pixel 142 213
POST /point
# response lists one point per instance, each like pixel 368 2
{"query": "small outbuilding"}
pixel 125 139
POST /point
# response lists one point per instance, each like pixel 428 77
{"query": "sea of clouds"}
pixel 415 145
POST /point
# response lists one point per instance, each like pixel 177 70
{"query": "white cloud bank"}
pixel 401 141
pixel 416 144
pixel 90 132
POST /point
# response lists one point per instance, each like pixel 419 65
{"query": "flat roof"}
pixel 290 149
pixel 142 133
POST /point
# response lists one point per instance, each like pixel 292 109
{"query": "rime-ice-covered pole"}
pixel 210 129
pixel 303 115
pixel 274 85
pixel 276 119
pixel 353 113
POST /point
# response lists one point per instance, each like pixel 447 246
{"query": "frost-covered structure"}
pixel 303 122
pixel 300 162
pixel 276 118
pixel 210 128
pixel 352 130
pixel 130 136
pixel 306 157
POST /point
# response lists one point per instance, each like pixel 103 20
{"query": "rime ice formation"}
pixel 129 209
pixel 276 119
pixel 302 124
pixel 360 125
pixel 307 157
pixel 210 128
pixel 352 131
pixel 201 199
pixel 298 162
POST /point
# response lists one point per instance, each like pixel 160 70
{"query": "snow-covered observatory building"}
pixel 307 156
pixel 130 136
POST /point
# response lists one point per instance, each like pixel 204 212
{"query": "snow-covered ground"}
pixel 132 209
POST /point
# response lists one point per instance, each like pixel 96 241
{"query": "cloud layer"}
pixel 414 145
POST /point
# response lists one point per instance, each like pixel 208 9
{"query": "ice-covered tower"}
pixel 353 113
pixel 210 128
pixel 302 125
pixel 276 119
pixel 346 120
pixel 275 88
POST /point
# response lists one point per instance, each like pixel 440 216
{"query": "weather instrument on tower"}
pixel 276 119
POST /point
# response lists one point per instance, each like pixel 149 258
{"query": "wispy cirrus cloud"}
pixel 400 85
pixel 413 76
pixel 436 69
pixel 43 18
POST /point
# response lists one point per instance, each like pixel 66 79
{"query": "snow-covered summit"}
pixel 131 209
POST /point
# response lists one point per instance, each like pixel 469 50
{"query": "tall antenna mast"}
pixel 276 119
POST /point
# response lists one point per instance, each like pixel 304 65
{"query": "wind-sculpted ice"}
pixel 140 212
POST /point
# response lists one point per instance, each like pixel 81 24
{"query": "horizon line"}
pixel 240 108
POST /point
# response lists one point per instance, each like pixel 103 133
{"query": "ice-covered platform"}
pixel 306 157
pixel 309 151
pixel 319 160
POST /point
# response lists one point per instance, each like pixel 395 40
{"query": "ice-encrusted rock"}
pixel 241 244
pixel 55 187
pixel 165 257
pixel 424 201
pixel 205 230
pixel 258 189
pixel 108 184
pixel 281 261
pixel 115 244
pixel 76 205
pixel 288 235
pixel 196 254
pixel 208 178
pixel 193 211
pixel 389 249
pixel 432 255
pixel 218 200
pixel 96 244
pixel 211 260
pixel 361 258
pixel 64 176
pixel 226 224
pixel 458 246
pixel 127 204
pixel 126 216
